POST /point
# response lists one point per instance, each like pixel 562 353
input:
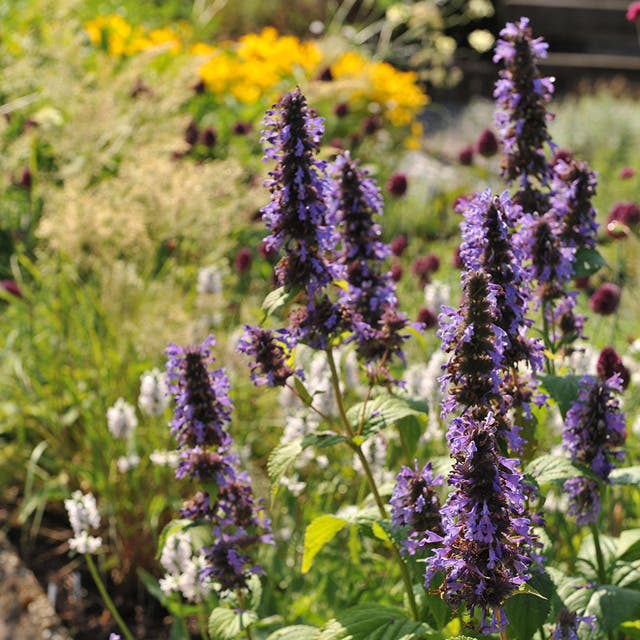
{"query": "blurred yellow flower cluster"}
pixel 250 68
pixel 119 38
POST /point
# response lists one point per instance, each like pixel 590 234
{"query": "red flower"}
pixel 487 144
pixel 465 157
pixel 606 299
pixel 243 260
pixel 609 362
pixel 10 286
pixel 397 184
pixel 398 245
pixel 622 218
pixel 427 318
pixel 626 173
pixel 633 12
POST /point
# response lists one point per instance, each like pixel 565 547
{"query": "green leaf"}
pixel 305 396
pixel 563 389
pixel 527 610
pixel 383 411
pixel 228 624
pixel 587 262
pixel 296 632
pixel 276 299
pixel 179 630
pixel 281 458
pixel 550 468
pixel 628 475
pixel 317 534
pixel 628 546
pixel 322 440
pixel 613 605
pixel 375 622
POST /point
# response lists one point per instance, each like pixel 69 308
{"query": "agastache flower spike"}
pixel 476 344
pixel 297 214
pixel 485 551
pixel 369 305
pixel 521 95
pixel 594 434
pixel 270 351
pixel 202 412
pixel 415 505
pixel 573 187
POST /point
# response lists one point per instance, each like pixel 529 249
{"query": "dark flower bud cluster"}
pixel 609 362
pixel 415 505
pixel 522 94
pixel 202 412
pixel 593 435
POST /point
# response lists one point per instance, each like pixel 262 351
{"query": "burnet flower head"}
pixel 594 435
pixel 522 95
pixel 121 419
pixel 84 518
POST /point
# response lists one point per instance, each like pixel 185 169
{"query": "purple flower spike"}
pixel 202 412
pixel 593 435
pixel 297 214
pixel 568 623
pixel 521 95
pixel 203 406
pixel 270 351
pixel 486 548
pixel 416 506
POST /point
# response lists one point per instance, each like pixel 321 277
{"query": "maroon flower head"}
pixel 209 137
pixel 633 12
pixel 341 110
pixel 427 318
pixel 396 271
pixel 26 179
pixel 398 245
pixel 191 133
pixel 371 125
pixel 241 128
pixel 609 362
pixel 606 299
pixel 623 217
pixel 487 144
pixel 626 173
pixel 465 157
pixel 424 266
pixel 457 259
pixel 10 286
pixel 397 185
pixel 243 260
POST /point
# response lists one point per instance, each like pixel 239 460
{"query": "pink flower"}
pixel 633 12
pixel 626 173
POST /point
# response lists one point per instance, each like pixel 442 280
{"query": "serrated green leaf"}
pixel 528 609
pixel 382 412
pixel 322 440
pixel 317 534
pixel 375 622
pixel 550 468
pixel 587 262
pixel 281 458
pixel 628 475
pixel 296 632
pixel 563 389
pixel 228 624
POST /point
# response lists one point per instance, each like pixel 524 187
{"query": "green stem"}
pixel 107 598
pixel 406 578
pixel 602 572
pixel 202 624
pixel 242 603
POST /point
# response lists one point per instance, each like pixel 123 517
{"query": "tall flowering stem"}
pixel 522 95
pixel 202 413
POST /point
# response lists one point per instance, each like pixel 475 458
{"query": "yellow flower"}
pixel 349 65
